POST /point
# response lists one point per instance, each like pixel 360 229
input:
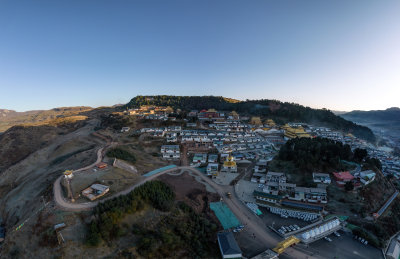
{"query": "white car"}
pixel 336 234
pixel 328 239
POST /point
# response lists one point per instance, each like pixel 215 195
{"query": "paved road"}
pixel 253 223
pixel 245 216
pixel 67 205
pixel 238 208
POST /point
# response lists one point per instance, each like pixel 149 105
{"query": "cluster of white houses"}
pixel 276 190
pixel 170 152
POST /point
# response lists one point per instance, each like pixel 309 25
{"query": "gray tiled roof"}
pixel 228 243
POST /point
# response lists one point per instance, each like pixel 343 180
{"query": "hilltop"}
pixel 10 118
pixel 281 112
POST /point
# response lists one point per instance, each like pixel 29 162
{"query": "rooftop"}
pixel 343 175
pixel 227 244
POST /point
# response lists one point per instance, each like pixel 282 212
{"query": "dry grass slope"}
pixel 9 119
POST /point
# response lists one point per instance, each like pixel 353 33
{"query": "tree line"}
pixel 322 154
pixel 183 233
pixel 107 215
pixel 122 154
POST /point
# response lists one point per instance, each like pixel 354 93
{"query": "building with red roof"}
pixel 343 177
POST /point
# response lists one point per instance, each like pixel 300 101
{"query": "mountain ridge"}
pixel 389 115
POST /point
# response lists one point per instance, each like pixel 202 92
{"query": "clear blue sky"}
pixel 341 55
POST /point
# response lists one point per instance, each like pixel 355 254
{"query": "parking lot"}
pixel 244 190
pixel 277 221
pixel 224 178
pixel 343 247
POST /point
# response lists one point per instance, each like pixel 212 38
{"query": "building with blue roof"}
pixel 228 246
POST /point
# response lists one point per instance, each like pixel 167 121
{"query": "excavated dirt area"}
pixel 192 192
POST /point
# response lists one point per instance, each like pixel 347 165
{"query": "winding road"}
pixel 238 208
pixel 253 223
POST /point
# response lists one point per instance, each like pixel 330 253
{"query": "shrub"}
pixel 121 154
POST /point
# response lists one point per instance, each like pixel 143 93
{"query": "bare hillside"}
pixel 10 118
pixel 52 150
pixel 20 141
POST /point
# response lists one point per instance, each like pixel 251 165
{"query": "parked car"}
pixel 336 234
pixel 328 239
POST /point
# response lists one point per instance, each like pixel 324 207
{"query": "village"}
pixel 235 150
pixel 231 155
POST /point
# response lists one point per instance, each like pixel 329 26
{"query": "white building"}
pixel 170 152
pixel 125 129
pixel 393 251
pixel 367 177
pixel 229 165
pixel 212 169
pixel 321 178
pixel 200 158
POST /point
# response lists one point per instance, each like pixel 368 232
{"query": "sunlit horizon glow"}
pixel 340 55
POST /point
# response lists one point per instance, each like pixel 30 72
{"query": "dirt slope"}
pixel 23 184
pixel 19 142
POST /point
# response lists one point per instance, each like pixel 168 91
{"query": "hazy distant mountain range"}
pixel 388 116
pixel 385 122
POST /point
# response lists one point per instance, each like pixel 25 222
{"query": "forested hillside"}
pixel 281 112
pixel 322 154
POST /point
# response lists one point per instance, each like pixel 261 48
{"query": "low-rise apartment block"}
pixel 170 152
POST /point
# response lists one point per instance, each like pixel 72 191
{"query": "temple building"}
pixel 297 132
pixel 229 165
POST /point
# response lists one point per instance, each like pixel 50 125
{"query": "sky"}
pixel 341 55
